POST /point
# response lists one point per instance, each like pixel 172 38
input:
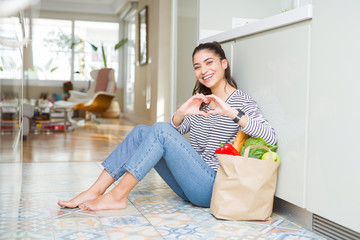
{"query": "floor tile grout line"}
pixel 137 210
pixel 142 214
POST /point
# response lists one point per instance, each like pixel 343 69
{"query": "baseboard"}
pixel 313 222
pixel 293 213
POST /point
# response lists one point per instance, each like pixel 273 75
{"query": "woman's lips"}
pixel 207 77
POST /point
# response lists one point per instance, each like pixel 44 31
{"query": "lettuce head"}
pixel 257 152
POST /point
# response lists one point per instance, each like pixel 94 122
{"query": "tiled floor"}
pixel 28 210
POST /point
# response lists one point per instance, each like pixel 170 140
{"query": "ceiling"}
pixel 110 7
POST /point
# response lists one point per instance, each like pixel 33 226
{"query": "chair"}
pixel 97 99
pixel 104 82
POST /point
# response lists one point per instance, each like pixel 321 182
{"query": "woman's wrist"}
pixel 232 113
pixel 178 117
pixel 240 119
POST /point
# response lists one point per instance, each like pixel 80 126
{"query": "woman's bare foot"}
pixel 104 202
pixel 76 201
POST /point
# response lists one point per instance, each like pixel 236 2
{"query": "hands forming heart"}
pixel 204 105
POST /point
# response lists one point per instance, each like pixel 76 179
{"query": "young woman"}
pixel 213 114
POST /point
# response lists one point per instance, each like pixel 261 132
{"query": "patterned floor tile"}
pixel 134 232
pixel 158 208
pixel 121 221
pixel 153 211
pixel 147 199
pixel 75 213
pixel 37 225
pixel 183 231
pixel 231 229
pixel 7 226
pixel 28 235
pixel 34 213
pixel 177 226
pixel 297 236
pixel 76 223
pixel 83 234
pixel 9 214
pixel 128 211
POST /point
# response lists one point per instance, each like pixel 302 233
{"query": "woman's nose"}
pixel 203 70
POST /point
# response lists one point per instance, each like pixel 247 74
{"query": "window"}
pixel 97 34
pixel 62 49
pixel 51 49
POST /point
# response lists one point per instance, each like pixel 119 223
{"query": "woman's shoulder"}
pixel 239 96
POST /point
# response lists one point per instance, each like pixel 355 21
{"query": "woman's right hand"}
pixel 190 107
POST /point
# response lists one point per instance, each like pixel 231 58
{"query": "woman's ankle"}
pixel 96 191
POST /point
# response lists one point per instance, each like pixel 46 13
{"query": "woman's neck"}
pixel 223 91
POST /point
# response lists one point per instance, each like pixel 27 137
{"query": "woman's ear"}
pixel 224 63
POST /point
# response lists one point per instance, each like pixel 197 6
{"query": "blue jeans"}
pixel 163 148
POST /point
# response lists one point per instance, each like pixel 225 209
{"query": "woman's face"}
pixel 209 69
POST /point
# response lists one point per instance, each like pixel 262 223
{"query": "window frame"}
pixel 77 83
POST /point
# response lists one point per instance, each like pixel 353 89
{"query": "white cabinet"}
pixel 273 68
pixel 305 78
pixel 333 163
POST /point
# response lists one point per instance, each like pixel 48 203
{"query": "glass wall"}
pixel 10 57
pixel 12 39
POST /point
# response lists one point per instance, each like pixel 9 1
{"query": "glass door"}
pixel 12 38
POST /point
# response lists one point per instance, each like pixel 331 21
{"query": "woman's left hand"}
pixel 220 107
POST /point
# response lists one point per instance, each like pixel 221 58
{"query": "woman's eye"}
pixel 209 62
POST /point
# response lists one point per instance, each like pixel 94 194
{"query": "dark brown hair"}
pixel 216 48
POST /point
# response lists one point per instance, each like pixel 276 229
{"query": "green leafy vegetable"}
pixel 258 152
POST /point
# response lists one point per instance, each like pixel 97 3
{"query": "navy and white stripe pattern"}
pixel 207 133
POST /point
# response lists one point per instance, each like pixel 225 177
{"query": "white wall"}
pixel 216 16
pixel 333 162
pixel 151 101
pixel 305 77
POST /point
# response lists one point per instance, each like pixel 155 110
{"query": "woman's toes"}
pixel 68 204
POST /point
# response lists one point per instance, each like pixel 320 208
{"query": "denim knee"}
pixel 140 127
pixel 161 127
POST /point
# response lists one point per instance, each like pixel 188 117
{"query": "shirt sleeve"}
pixel 184 126
pixel 257 125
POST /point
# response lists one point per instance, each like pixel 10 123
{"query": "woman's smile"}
pixel 207 77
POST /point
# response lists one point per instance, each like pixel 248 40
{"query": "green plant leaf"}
pixel 103 54
pixel 121 43
pixel 1 69
pixel 48 64
pixel 93 47
pixel 53 69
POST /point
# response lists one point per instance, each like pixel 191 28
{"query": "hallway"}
pixel 61 165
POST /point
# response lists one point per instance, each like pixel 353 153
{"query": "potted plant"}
pixel 118 45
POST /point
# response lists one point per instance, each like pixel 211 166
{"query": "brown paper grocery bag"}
pixel 244 187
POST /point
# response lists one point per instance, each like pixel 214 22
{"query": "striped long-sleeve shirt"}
pixel 206 133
